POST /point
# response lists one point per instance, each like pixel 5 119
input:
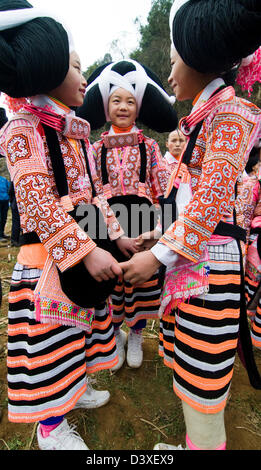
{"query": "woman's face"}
pixel 186 82
pixel 122 108
pixel 175 143
pixel 71 92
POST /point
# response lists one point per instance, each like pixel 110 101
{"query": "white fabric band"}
pixel 175 7
pixel 13 18
pixel 135 82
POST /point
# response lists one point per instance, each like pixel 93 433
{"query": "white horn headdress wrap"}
pixel 135 82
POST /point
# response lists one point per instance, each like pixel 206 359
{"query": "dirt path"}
pixel 143 409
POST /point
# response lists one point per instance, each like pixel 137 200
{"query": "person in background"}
pixel 175 144
pixel 4 206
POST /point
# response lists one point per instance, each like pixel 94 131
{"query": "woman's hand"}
pixel 140 267
pixel 127 246
pixel 101 265
pixel 147 240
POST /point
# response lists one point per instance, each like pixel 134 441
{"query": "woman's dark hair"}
pixel 252 160
pixel 34 57
pixel 212 36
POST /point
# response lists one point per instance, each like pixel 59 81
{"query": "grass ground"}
pixel 143 409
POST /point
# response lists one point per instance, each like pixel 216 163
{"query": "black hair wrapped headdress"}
pixel 155 107
pixel 34 50
pixel 212 36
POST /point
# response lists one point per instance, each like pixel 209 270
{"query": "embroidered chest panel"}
pixel 78 181
pixel 123 167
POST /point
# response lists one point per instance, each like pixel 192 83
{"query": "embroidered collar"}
pixel 170 158
pixel 205 103
pixel 112 140
pixel 58 116
pixel 207 92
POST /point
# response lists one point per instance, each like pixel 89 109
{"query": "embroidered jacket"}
pixel 170 161
pixel 23 143
pixel 218 160
pixel 123 166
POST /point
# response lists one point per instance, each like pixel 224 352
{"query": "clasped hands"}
pixel 142 264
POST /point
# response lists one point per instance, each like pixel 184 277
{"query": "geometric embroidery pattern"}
pixel 218 160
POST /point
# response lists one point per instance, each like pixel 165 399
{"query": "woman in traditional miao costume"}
pixel 53 343
pixel 203 311
pixel 134 176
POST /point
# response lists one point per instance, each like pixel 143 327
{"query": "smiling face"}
pixel 122 108
pixel 186 82
pixel 72 90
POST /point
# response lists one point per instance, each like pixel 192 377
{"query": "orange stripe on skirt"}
pixel 222 279
pixel 31 395
pixel 201 382
pixel 211 409
pixel 23 294
pixel 205 346
pixel 100 348
pixel 207 313
pixel 41 361
pixel 49 413
pixel 30 330
pixel 139 303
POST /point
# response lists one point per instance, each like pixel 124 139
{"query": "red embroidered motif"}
pixel 18 149
pixel 218 159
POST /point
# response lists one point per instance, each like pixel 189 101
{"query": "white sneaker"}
pixel 162 446
pixel 134 352
pixel 121 339
pixel 92 398
pixel 64 437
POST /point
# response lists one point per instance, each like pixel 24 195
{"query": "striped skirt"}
pixel 134 303
pixel 256 327
pixel 253 300
pixel 199 340
pixel 47 365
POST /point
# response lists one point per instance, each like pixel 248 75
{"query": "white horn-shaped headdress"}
pixel 135 82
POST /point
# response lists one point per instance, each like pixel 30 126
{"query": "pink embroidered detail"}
pixel 188 123
pixel 53 307
pixel 122 140
pixel 185 280
pixel 250 73
pixel 50 118
pixel 57 312
pixel 76 128
pixel 14 104
pixel 70 126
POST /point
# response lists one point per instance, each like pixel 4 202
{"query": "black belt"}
pixel 230 230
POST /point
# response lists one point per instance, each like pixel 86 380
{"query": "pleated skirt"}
pixel 47 365
pixel 199 339
pixel 134 303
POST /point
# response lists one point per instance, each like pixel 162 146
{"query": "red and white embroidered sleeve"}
pixel 39 210
pixel 228 143
pixel 160 173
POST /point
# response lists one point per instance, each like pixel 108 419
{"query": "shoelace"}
pixel 68 433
